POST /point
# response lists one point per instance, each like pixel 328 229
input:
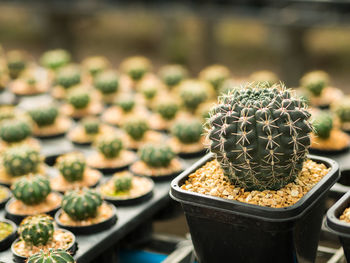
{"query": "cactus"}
pixel 323 124
pixel 123 182
pixel 71 166
pixel 156 155
pixel 16 63
pixel 81 204
pixel 44 116
pixel 14 130
pixel 21 160
pixel 32 189
pixel 110 146
pixel 107 82
pixel 315 82
pixel 51 256
pixel 79 99
pixel 6 113
pixel 136 128
pixel 167 109
pixel 172 75
pixel 95 65
pixel 187 131
pixel 36 230
pixel 54 59
pixel 260 136
pixel 91 125
pixel 192 94
pixel 264 76
pixel 68 76
pixel 126 103
pixel 149 89
pixel 342 109
pixel 215 75
pixel 136 67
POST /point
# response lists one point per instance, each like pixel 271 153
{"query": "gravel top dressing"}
pixel 210 180
pixel 346 215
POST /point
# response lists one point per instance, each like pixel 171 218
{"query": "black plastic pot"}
pixel 6 242
pixel 157 178
pixel 224 230
pixel 329 152
pixel 338 227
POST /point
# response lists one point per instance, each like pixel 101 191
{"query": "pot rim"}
pixel 333 222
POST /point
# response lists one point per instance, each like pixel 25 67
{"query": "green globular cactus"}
pixel 136 67
pixel 79 99
pixel 51 256
pixel 126 103
pixel 110 146
pixel 91 125
pixel 123 182
pixel 172 75
pixel 36 230
pixel 21 160
pixel 156 155
pixel 167 109
pixel 95 65
pixel 44 116
pixel 260 136
pixel 54 59
pixel 68 76
pixel 81 204
pixel 136 128
pixel 32 189
pixel 16 62
pixel 192 94
pixel 342 109
pixel 315 82
pixel 107 82
pixel 14 130
pixel 149 89
pixel 187 131
pixel 71 166
pixel 323 125
pixel 215 75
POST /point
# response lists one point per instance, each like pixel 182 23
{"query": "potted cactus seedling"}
pixel 172 75
pixel 150 88
pixel 84 212
pixel 264 76
pixel 8 231
pixel 18 161
pixel 124 188
pixel 136 67
pixel 111 155
pixel 48 123
pixel 258 195
pixel 165 114
pixel 215 75
pixel 52 256
pixel 157 161
pixel 326 138
pixel 55 59
pixel 95 65
pixel 65 78
pixel 74 173
pixel 17 61
pixel 37 234
pixel 32 196
pixel 187 137
pixel 341 108
pixel 107 83
pixel 193 93
pixel 139 133
pixel 87 130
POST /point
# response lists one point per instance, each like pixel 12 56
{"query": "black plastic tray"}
pixel 160 178
pixel 6 243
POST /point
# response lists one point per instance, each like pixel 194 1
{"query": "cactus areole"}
pixel 260 136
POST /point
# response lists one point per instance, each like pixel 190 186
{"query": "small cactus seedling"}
pixel 187 131
pixel 342 109
pixel 68 76
pixel 172 75
pixel 14 130
pixel 167 109
pixel 193 93
pixel 21 160
pixel 110 146
pixel 79 99
pixel 36 230
pixel 260 136
pixel 91 125
pixel 123 182
pixel 215 75
pixel 136 67
pixel 156 155
pixel 32 189
pixel 6 113
pixel 136 128
pixel 107 82
pixel 44 116
pixel 55 59
pixel 95 65
pixel 51 256
pixel 126 103
pixel 81 204
pixel 264 76
pixel 16 62
pixel 323 125
pixel 315 82
pixel 72 166
pixel 149 89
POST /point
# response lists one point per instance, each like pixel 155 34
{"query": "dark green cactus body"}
pixel 172 75
pixel 21 160
pixel 192 94
pixel 107 82
pixel 54 59
pixel 81 204
pixel 79 99
pixel 323 124
pixel 91 126
pixel 36 230
pixel 167 109
pixel 315 82
pixel 149 90
pixel 123 183
pixel 68 76
pixel 136 67
pixel 187 131
pixel 260 136
pixel 110 146
pixel 14 130
pixel 16 63
pixel 44 116
pixel 72 166
pixel 31 190
pixel 156 155
pixel 126 103
pixel 52 256
pixel 136 128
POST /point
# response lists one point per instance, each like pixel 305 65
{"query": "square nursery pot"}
pixel 338 227
pixel 223 230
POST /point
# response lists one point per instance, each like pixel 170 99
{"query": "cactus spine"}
pixel 72 166
pixel 21 160
pixel 156 155
pixel 52 256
